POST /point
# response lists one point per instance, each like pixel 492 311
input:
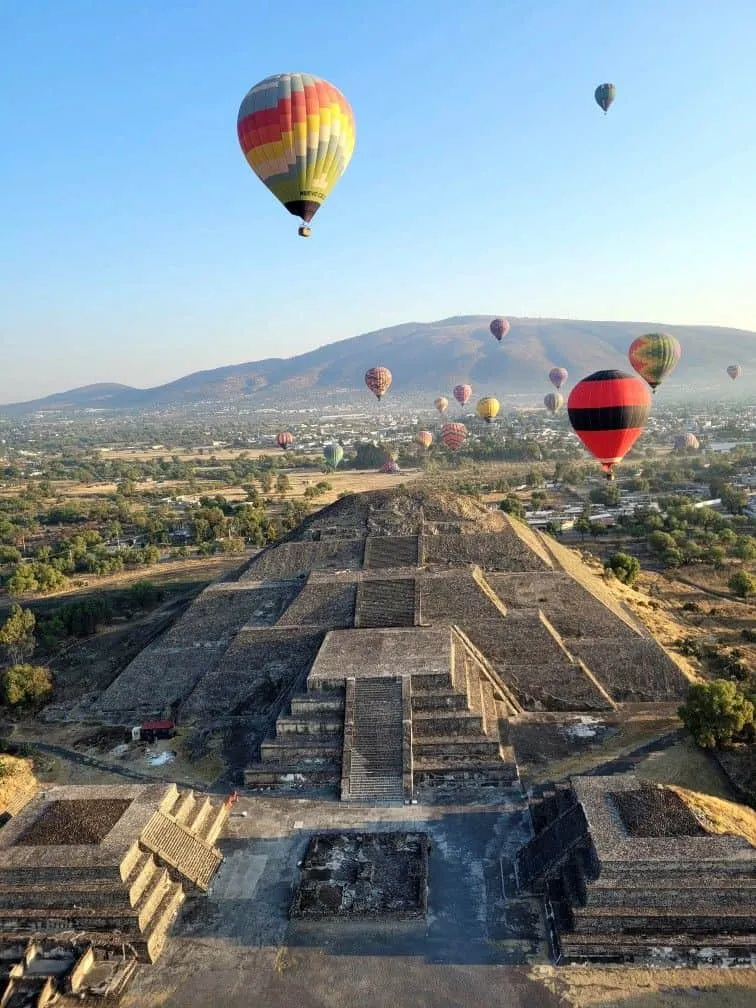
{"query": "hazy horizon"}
pixel 138 247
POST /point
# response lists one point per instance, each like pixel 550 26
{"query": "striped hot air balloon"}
pixel 378 380
pixel 487 408
pixel 608 411
pixel 333 452
pixel 297 133
pixel 557 377
pixel 734 371
pixel 553 402
pixel 441 403
pixel 462 394
pixel 284 440
pixel 686 442
pixel 654 356
pixel 499 328
pixel 389 467
pixel 454 435
pixel 424 438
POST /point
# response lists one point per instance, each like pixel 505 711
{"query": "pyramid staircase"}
pixel 375 755
pixel 383 552
pixel 385 602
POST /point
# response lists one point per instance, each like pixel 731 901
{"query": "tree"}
pixel 145 594
pixel 25 685
pixel 742 584
pixel 22 580
pixel 608 495
pixel 283 484
pixel 733 500
pixel 714 713
pixel 17 634
pixel 512 505
pixel 625 568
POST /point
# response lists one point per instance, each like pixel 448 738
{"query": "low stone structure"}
pixel 636 872
pixel 364 875
pixel 109 863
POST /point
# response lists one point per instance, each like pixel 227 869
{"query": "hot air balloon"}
pixel 487 408
pixel 605 95
pixel 441 403
pixel 284 440
pixel 424 438
pixel 378 380
pixel 553 402
pixel 389 467
pixel 454 435
pixel 557 377
pixel 654 356
pixel 686 442
pixel 333 452
pixel 462 393
pixel 499 328
pixel 608 410
pixel 297 133
pixel 734 371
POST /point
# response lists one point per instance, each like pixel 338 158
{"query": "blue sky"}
pixel 136 245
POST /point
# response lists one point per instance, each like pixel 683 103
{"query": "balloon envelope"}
pixel 284 440
pixel 608 411
pixel 297 133
pixel 424 438
pixel 441 403
pixel 734 371
pixel 454 435
pixel 654 356
pixel 684 442
pixel 389 467
pixel 487 408
pixel 333 452
pixel 553 402
pixel 378 380
pixel 462 393
pixel 499 328
pixel 605 95
pixel 558 376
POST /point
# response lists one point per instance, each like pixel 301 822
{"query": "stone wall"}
pixel 503 551
pixel 633 671
pixel 292 559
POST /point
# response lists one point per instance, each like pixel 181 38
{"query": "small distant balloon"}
pixel 499 328
pixel 454 435
pixel 378 380
pixel 389 467
pixel 686 442
pixel 553 402
pixel 424 438
pixel 333 452
pixel 557 377
pixel 462 393
pixel 285 440
pixel 487 408
pixel 734 371
pixel 441 403
pixel 605 95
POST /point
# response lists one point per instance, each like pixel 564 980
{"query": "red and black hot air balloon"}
pixel 284 440
pixel 608 411
pixel 499 328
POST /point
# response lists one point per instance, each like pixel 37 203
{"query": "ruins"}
pixel 382 650
pixel 110 863
pixel 634 871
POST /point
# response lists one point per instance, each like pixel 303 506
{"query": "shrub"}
pixel 714 713
pixel 625 568
pixel 25 685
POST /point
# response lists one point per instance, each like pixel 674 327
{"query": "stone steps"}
pixel 442 747
pixel 176 846
pixel 717 949
pixel 386 603
pixel 317 703
pixel 662 921
pixel 498 773
pixel 150 943
pixel 92 895
pixel 441 700
pixel 376 758
pixel 429 724
pixel 383 552
pixel 728 894
pixel 324 772
pixel 309 724
pixel 290 748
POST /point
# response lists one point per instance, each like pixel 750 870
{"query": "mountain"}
pixel 429 357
